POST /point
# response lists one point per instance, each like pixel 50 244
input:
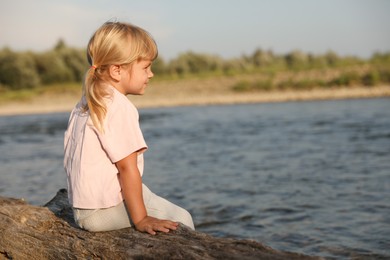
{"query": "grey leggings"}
pixel 117 217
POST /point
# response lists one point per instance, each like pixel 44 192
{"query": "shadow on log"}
pixel 49 232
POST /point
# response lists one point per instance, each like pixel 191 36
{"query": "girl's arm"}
pixel 131 183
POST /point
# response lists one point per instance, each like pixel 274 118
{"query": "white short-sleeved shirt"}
pixel 90 156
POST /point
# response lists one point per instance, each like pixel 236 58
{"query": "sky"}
pixel 228 28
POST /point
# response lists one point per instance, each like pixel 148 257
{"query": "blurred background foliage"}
pixel 294 70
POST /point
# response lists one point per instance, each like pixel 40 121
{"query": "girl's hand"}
pixel 151 225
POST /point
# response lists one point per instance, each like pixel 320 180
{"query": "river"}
pixel 310 177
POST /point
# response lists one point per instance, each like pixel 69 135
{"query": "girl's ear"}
pixel 115 72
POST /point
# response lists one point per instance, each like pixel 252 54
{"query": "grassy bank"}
pixel 192 91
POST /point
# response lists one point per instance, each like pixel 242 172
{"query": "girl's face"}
pixel 135 79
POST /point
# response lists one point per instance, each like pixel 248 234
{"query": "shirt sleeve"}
pixel 122 134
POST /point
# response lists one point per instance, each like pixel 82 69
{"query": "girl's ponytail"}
pixel 94 94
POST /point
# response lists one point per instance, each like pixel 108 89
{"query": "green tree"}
pixel 76 61
pixel 317 61
pixel 332 59
pixel 379 58
pixel 195 63
pixel 262 58
pixel 237 65
pixel 60 45
pixel 159 66
pixel 179 66
pixel 17 70
pixel 52 68
pixel 296 59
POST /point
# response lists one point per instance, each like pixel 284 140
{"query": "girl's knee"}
pixel 186 219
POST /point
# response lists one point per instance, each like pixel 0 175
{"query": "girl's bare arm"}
pixel 131 183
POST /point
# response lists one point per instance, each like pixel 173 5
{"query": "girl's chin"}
pixel 140 93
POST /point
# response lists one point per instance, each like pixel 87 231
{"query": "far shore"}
pixel 180 97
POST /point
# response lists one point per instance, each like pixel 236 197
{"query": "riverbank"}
pixel 192 92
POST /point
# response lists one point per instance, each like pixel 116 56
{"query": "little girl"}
pixel 104 144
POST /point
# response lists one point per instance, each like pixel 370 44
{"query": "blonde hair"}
pixel 114 43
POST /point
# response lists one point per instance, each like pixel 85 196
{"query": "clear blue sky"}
pixel 224 27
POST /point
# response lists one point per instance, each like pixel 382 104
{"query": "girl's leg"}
pixel 98 220
pixel 117 217
pixel 163 209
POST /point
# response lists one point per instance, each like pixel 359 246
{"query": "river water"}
pixel 309 177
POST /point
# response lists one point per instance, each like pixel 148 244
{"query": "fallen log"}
pixel 49 232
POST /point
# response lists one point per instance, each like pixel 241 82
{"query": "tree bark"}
pixel 49 232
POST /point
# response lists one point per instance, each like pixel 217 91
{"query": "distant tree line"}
pixel 21 70
pixel 62 64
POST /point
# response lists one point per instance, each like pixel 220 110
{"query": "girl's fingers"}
pixel 172 224
pixel 150 230
pixel 166 226
pixel 160 225
pixel 163 229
